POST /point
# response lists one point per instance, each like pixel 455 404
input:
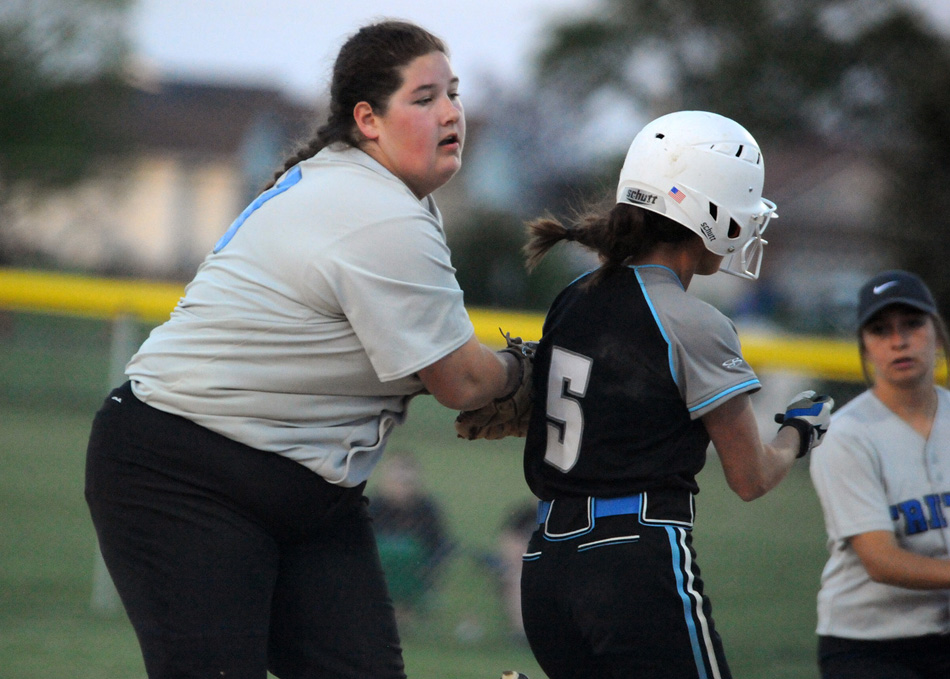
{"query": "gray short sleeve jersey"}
pixel 302 331
pixel 704 351
pixel 874 472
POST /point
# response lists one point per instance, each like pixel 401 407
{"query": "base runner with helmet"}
pixel 633 377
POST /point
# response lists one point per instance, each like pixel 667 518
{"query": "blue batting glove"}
pixel 810 415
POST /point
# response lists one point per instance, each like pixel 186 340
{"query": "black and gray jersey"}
pixel 624 371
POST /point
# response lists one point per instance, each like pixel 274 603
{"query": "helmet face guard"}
pixel 747 260
pixel 705 172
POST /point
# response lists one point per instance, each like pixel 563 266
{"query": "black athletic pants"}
pixel 231 561
pixel 619 598
pixel 926 657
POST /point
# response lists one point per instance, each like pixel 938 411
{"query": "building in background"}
pixel 197 154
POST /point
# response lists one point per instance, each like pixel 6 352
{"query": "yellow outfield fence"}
pixel 41 291
pixel 151 302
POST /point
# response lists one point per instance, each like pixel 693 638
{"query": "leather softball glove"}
pixel 509 414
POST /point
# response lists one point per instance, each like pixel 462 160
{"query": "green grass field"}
pixel 761 561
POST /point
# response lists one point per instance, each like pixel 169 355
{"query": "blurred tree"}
pixel 60 73
pixel 486 250
pixel 871 75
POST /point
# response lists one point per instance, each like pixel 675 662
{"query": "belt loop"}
pixel 543 508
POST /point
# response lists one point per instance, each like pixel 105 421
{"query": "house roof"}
pixel 206 119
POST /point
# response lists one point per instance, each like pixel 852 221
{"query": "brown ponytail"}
pixel 624 234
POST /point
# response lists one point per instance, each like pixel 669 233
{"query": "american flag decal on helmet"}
pixel 677 195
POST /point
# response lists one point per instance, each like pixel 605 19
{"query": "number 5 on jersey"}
pixel 567 382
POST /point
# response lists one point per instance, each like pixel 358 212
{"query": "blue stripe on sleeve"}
pixel 722 394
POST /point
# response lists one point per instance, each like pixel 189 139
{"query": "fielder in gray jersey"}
pixel 225 478
pixel 883 478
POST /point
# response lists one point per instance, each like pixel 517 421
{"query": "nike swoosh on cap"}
pixel 878 289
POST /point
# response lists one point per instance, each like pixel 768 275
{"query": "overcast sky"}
pixel 292 43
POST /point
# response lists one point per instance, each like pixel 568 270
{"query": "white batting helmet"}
pixel 705 172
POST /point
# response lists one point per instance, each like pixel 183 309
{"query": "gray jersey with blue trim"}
pixel 302 333
pixel 874 472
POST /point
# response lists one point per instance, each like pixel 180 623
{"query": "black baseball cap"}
pixel 893 287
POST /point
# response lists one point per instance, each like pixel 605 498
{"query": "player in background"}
pixel 411 536
pixel 633 377
pixel 883 478
pixel 225 478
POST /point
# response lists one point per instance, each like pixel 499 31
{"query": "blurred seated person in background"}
pixel 505 563
pixel 410 532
